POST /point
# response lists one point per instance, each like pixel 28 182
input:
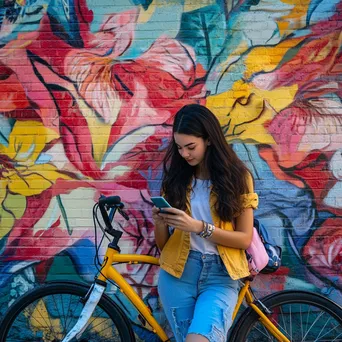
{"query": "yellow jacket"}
pixel 176 250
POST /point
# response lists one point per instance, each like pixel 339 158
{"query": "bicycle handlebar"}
pixel 111 200
pixel 114 203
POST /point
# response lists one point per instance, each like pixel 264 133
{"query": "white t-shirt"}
pixel 200 210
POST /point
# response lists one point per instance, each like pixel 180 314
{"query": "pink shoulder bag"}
pixel 257 256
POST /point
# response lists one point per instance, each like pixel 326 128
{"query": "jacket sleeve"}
pixel 250 199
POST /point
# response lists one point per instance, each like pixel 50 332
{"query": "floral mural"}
pixel 87 97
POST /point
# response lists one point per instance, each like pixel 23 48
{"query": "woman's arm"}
pixel 162 235
pixel 161 231
pixel 241 237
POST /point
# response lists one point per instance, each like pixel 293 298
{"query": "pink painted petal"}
pixel 115 36
pixel 287 129
pixel 92 73
pixel 305 127
pixel 317 57
pixel 96 88
pixel 117 31
pixel 172 57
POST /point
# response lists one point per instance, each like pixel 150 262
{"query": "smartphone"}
pixel 160 202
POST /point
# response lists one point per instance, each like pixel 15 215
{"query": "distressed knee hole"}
pixel 219 333
pixel 182 318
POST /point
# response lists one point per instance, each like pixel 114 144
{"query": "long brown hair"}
pixel 226 171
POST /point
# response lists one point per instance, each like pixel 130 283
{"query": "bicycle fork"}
pixel 91 300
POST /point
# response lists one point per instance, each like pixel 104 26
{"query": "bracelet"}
pixel 207 231
pixel 204 229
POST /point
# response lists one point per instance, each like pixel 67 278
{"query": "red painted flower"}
pixel 108 105
pixel 323 251
pixel 102 106
pixel 313 121
pixel 18 98
pixel 131 98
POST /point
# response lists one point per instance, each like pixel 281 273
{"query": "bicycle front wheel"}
pixel 299 315
pixel 48 313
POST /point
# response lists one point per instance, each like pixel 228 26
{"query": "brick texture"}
pixel 88 92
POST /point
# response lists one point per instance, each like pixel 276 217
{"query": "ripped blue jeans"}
pixel 202 301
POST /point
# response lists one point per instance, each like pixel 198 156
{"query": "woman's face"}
pixel 191 148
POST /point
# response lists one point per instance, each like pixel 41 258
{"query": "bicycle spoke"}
pixel 317 318
pixel 328 332
pixel 290 323
pixel 37 311
pixel 326 323
pixel 92 326
pixel 282 328
pixel 63 315
pixel 337 338
pixel 307 322
pixel 70 325
pixel 57 310
pixel 301 321
pixel 284 324
pixel 265 332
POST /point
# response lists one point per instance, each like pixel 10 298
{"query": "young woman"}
pixel 204 235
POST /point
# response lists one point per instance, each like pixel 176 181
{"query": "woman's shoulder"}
pixel 249 199
pixel 249 181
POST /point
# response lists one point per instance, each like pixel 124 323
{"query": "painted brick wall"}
pixel 88 90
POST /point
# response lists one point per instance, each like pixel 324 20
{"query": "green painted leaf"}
pixel 205 30
pixel 64 214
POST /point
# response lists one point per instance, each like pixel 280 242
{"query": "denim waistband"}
pixel 205 257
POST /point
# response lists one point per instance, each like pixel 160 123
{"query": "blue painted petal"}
pixel 281 202
pixel 8 269
pixel 165 21
pixel 43 159
pixel 82 254
pixel 320 10
pixel 5 129
pixel 65 23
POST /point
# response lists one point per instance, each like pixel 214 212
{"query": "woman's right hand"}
pixel 161 231
pixel 158 220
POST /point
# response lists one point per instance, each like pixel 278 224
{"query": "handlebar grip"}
pixel 110 200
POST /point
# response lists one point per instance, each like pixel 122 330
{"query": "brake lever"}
pixel 123 214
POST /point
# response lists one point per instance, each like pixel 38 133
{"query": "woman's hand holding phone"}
pixel 164 214
pixel 160 203
pixel 158 220
pixel 181 220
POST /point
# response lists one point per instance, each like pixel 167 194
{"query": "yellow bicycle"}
pixel 69 311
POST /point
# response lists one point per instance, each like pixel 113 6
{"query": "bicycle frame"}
pixel 109 272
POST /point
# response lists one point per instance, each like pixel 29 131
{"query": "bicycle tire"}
pixel 48 312
pixel 322 321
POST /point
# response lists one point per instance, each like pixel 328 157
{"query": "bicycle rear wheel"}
pixel 48 313
pixel 299 315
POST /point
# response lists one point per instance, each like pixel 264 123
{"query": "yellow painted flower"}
pixel 245 111
pixel 22 172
